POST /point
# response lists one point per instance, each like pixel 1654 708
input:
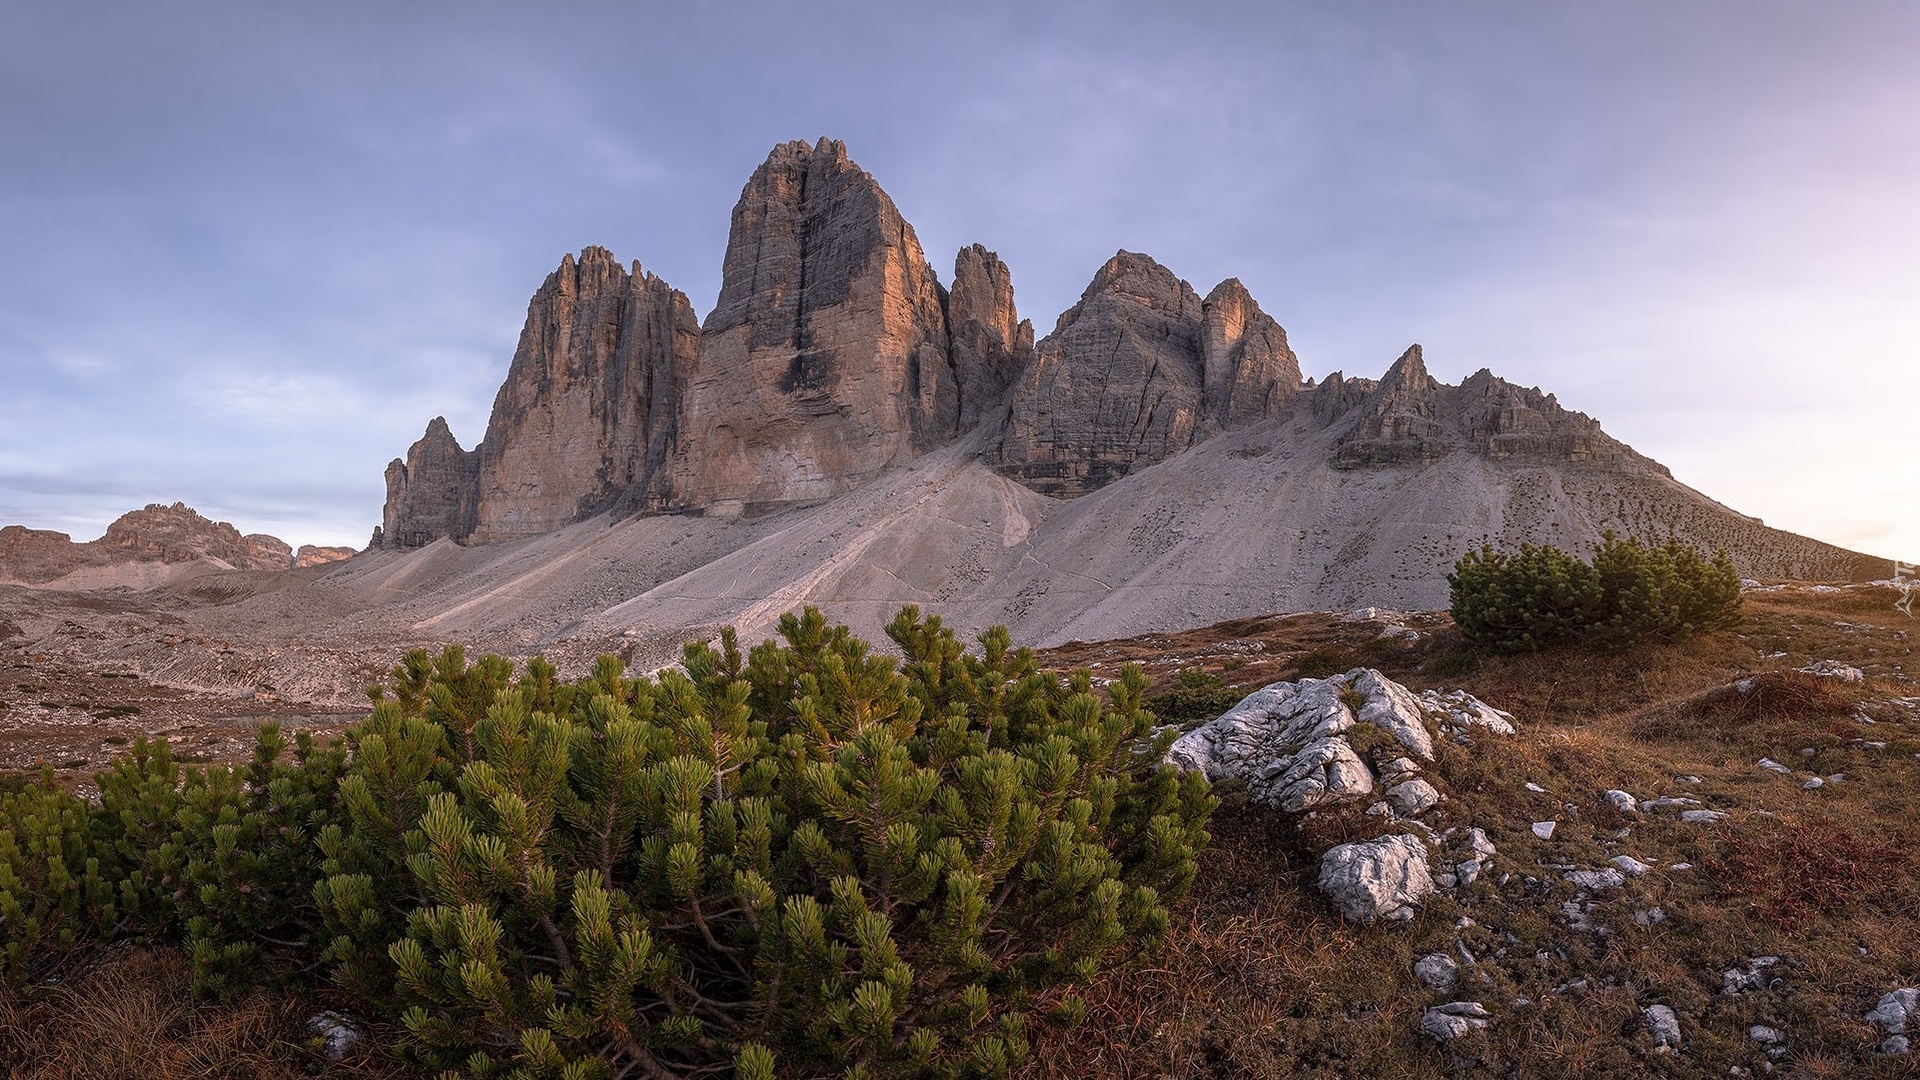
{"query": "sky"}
pixel 247 250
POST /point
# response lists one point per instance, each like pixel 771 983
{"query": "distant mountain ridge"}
pixel 165 539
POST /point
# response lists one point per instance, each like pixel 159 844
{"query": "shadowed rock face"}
pixel 1117 385
pixel 989 339
pixel 826 359
pixel 587 412
pixel 1136 372
pixel 431 494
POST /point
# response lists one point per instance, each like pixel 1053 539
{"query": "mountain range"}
pixel 846 430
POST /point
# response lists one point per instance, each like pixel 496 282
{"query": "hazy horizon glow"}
pixel 254 249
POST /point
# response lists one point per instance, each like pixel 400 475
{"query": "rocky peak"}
pixel 1249 371
pixel 990 342
pixel 431 493
pixel 585 417
pixel 1411 418
pixel 1504 421
pixel 826 359
pixel 1136 372
pixel 1116 386
pixel 1397 422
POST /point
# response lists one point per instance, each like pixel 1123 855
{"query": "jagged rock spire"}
pixel 826 359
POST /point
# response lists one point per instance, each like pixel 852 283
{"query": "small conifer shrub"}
pixel 812 859
pixel 1630 593
pixel 808 860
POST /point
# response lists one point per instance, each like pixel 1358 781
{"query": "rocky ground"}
pixel 1688 860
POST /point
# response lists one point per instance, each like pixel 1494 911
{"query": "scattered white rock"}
pixel 1413 797
pixel 1680 866
pixel 1771 765
pixel 1531 786
pixel 1813 783
pixel 1466 871
pixel 1895 1012
pixel 1378 880
pixel 1454 1019
pixel 338 1035
pixel 1481 845
pixel 1629 865
pixel 1702 817
pixel 1596 880
pixel 1769 1036
pixel 1663 1024
pixel 1755 974
pixel 1437 971
pixel 1895 1045
pixel 1458 712
pixel 1621 801
pixel 1289 741
pixel 1544 829
pixel 1834 669
pixel 1668 800
pixel 1652 916
pixel 1580 919
pixel 1398 769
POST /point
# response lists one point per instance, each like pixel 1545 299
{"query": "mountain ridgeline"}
pixel 834 354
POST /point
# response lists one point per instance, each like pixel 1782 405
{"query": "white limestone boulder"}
pixel 1383 880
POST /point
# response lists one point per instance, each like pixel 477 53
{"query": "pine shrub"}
pixel 809 860
pixel 1196 694
pixel 812 859
pixel 1630 593
pixel 55 895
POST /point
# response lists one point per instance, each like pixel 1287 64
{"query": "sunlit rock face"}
pixel 826 359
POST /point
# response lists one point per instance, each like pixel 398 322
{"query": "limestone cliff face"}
pixel 1117 385
pixel 826 359
pixel 1249 372
pixel 989 339
pixel 587 413
pixel 315 555
pixel 431 494
pixel 1136 372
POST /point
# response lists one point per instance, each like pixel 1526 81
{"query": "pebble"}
pixel 1629 865
pixel 1702 817
pixel 1621 801
pixel 1544 829
pixel 1531 786
pixel 1454 1019
pixel 1761 1033
pixel 1771 765
pixel 1437 971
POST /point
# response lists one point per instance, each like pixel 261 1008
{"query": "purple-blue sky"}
pixel 250 248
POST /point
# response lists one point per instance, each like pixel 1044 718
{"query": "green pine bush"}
pixel 1196 694
pixel 55 894
pixel 1630 593
pixel 813 859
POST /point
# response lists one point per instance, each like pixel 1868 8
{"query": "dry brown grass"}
pixel 133 1016
pixel 1260 978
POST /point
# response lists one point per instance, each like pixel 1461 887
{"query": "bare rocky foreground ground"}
pixel 1755 941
